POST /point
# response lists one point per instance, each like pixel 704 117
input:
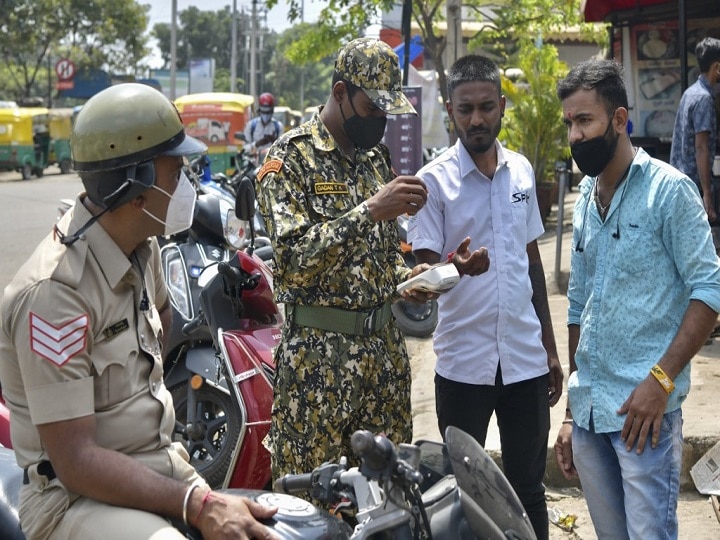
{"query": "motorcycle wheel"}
pixel 416 320
pixel 211 454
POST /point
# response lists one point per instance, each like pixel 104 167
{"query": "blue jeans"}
pixel 631 496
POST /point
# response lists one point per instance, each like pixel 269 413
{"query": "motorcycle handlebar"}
pixel 192 325
pixel 376 452
pixel 294 483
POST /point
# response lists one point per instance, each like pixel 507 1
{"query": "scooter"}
pixel 219 368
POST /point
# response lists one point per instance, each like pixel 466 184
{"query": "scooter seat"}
pixel 11 478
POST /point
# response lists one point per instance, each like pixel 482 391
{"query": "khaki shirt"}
pixel 75 343
pixel 328 251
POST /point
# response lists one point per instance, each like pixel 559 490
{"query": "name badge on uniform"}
pixel 330 188
pixel 114 329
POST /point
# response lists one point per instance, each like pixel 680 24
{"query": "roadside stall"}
pixel 24 140
pixel 214 118
pixel 655 41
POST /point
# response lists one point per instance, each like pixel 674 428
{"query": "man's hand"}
pixel 267 139
pixel 555 380
pixel 471 263
pixel 229 516
pixel 644 409
pixel 564 453
pixel 709 207
pixel 404 195
pixel 417 296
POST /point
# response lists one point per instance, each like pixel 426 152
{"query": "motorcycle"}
pixel 413 319
pixel 426 490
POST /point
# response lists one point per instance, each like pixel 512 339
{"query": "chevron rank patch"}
pixel 58 344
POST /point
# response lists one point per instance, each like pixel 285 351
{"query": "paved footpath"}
pixel 701 426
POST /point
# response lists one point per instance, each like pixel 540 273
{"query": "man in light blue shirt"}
pixel 644 293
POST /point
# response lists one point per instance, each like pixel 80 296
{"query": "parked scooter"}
pixel 224 327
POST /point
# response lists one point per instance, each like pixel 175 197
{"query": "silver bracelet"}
pixel 197 483
pixel 567 421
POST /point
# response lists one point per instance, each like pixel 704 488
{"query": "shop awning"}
pixel 598 10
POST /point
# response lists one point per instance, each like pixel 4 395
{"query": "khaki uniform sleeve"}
pixel 51 334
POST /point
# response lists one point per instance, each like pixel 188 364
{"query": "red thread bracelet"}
pixel 205 499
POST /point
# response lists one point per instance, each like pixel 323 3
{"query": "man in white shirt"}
pixel 494 341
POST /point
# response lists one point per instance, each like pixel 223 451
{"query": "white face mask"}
pixel 181 208
pixel 265 117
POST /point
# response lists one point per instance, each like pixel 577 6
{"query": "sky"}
pixel 277 18
pixel 161 10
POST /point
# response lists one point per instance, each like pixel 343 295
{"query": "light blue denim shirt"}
pixel 631 281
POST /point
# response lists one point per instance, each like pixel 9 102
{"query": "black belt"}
pixel 44 468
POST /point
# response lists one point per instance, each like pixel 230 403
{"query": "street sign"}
pixel 65 85
pixel 65 69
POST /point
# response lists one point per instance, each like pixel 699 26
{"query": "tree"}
pixel 533 122
pixel 509 22
pixel 105 34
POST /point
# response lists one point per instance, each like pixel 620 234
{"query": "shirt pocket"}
pixel 634 253
pixel 113 380
pixel 518 233
pixel 329 199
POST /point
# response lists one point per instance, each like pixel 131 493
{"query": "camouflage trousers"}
pixel 328 385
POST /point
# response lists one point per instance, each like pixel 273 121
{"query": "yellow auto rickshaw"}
pixel 24 140
pixel 60 126
pixel 214 118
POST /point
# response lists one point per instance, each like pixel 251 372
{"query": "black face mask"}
pixel 593 155
pixel 364 132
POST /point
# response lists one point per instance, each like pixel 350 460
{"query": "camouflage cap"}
pixel 370 64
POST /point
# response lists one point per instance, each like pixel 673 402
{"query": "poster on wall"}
pixel 656 57
pixel 655 53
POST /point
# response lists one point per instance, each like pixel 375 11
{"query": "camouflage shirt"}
pixel 328 251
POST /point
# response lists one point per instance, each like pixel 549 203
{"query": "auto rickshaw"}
pixel 24 140
pixel 60 123
pixel 214 118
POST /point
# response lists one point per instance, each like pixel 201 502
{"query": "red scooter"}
pixel 223 412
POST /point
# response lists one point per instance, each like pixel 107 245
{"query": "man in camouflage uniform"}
pixel 330 209
pixel 330 200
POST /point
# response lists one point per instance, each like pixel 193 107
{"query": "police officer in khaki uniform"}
pixel 82 324
pixel 330 199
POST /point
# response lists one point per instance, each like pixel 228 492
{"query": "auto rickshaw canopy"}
pixel 18 125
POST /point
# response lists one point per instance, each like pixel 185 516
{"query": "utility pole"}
pixel 302 67
pixel 173 50
pixel 253 49
pixel 454 47
pixel 233 52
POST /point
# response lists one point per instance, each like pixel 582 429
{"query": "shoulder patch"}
pixel 58 344
pixel 271 166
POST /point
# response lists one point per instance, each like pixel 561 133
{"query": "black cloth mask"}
pixel 593 155
pixel 364 132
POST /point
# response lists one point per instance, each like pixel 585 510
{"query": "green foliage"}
pixel 107 34
pixel 533 116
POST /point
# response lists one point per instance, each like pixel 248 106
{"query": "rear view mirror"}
pixel 245 200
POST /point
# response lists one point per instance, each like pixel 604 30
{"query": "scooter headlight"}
pixel 234 229
pixel 177 284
